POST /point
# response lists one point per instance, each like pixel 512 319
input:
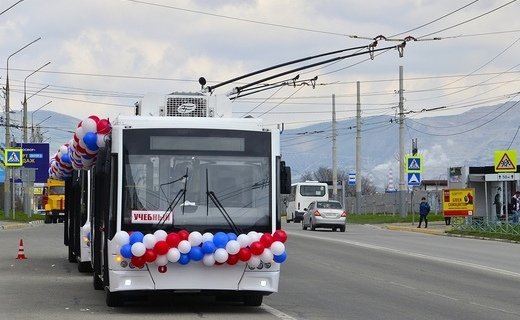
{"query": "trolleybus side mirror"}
pixel 285 178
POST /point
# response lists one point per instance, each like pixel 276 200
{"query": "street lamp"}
pixel 32 120
pixel 7 186
pixel 24 124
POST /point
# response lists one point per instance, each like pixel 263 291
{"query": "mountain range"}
pixel 468 138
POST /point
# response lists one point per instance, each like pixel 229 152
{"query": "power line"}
pixel 466 21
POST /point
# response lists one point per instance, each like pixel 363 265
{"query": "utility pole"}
pixel 334 164
pixel 358 149
pixel 402 190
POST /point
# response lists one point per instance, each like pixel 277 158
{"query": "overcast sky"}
pixel 106 54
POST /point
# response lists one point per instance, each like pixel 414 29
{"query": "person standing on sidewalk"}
pixel 424 209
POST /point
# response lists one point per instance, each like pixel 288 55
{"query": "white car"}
pixel 325 214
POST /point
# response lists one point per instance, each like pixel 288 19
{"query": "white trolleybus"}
pixel 185 199
pixel 302 194
pixel 77 219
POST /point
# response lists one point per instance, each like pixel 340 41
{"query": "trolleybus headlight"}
pixel 267 265
pixel 124 264
pixel 119 259
pixel 260 266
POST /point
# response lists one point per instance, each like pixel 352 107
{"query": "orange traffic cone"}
pixel 21 254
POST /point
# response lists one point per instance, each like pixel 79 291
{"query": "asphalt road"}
pixel 364 273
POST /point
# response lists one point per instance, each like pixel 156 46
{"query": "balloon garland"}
pixel 184 247
pixel 81 151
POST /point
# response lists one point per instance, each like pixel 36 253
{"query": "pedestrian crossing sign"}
pixel 505 161
pixel 414 179
pixel 414 164
pixel 13 157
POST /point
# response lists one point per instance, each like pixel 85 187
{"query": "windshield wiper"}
pixel 211 195
pixel 175 200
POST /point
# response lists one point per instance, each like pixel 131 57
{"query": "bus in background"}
pixel 53 201
pixel 302 194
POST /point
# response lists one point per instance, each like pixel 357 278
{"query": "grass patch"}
pixel 20 217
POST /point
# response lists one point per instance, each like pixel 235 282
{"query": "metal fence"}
pixel 483 224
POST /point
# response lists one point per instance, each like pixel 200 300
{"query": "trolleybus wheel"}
pixel 114 299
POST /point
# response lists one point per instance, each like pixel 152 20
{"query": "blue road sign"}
pixel 414 179
pixel 351 179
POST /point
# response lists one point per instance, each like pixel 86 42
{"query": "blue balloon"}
pixel 232 236
pixel 280 258
pixel 196 254
pixel 126 251
pixel 90 140
pixel 65 158
pixel 184 259
pixel 136 236
pixel 220 239
pixel 208 247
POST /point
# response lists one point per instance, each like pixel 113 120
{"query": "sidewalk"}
pixel 434 227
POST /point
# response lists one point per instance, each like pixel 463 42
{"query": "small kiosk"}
pixel 492 190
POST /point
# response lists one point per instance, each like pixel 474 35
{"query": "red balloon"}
pixel 103 126
pixel 80 123
pixel 138 261
pixel 184 234
pixel 95 118
pixel 149 255
pixel 266 239
pixel 232 259
pixel 173 239
pixel 162 269
pixel 161 247
pixel 280 235
pixel 256 248
pixel 244 254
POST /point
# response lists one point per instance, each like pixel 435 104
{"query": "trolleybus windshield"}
pixel 167 182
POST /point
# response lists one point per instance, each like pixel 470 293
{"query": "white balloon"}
pixel 232 247
pixel 80 133
pixel 277 248
pixel 208 260
pixel 89 125
pixel 86 227
pixel 195 238
pixel 161 260
pixel 149 240
pixel 160 235
pixel 173 255
pixel 64 150
pixel 138 249
pixel 243 240
pixel 254 236
pixel 184 246
pixel 221 255
pixel 207 236
pixel 254 261
pixel 266 256
pixel 121 238
pixel 101 140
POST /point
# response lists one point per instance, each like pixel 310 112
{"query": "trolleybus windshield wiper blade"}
pixel 211 195
pixel 175 200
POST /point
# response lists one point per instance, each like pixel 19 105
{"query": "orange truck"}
pixel 54 201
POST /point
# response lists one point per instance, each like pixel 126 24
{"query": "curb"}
pixel 12 226
pixel 415 229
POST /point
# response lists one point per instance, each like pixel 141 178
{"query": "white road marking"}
pixel 277 313
pixel 411 254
